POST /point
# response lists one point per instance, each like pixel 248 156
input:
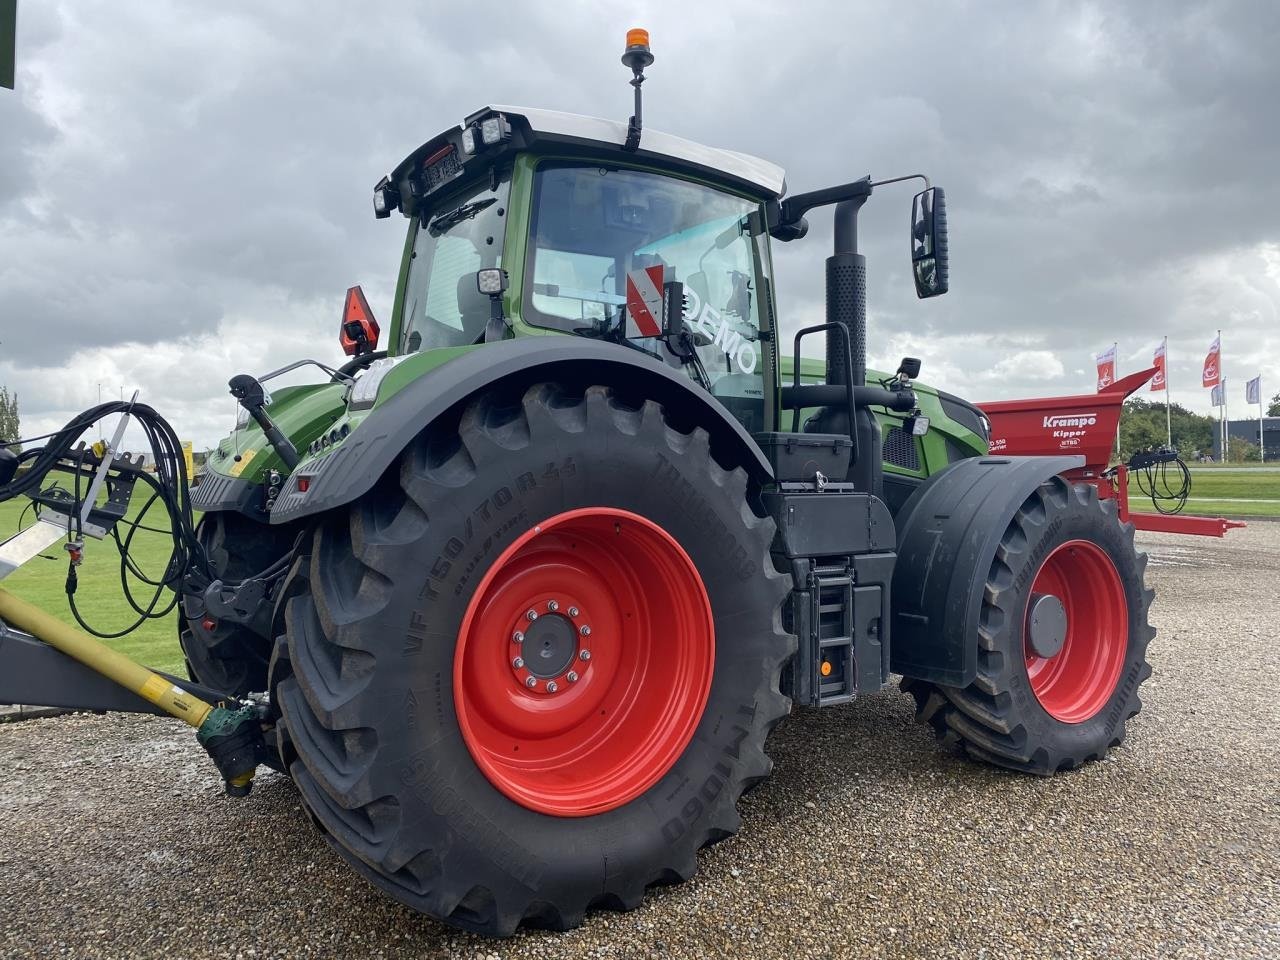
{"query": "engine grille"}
pixel 900 450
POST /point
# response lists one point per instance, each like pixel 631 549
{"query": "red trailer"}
pixel 1086 425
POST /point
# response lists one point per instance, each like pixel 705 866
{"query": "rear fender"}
pixel 947 536
pixel 351 469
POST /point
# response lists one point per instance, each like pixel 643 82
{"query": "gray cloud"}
pixel 184 191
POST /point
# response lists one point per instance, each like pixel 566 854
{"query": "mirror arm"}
pixel 793 209
pixel 909 176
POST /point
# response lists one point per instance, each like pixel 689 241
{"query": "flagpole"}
pixel 1221 407
pixel 1262 437
pixel 1226 413
pixel 1168 417
pixel 1115 363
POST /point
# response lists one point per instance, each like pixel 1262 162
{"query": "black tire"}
pixel 381 761
pixel 998 718
pixel 232 658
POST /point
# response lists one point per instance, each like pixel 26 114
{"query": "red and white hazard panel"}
pixel 644 302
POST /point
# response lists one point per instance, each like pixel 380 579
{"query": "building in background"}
pixel 1247 430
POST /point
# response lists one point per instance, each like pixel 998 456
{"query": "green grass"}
pixel 1210 484
pixel 1247 464
pixel 99 595
pixel 1219 508
pixel 1218 493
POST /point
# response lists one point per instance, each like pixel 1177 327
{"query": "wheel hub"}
pixel 1046 624
pixel 550 645
pixel 548 649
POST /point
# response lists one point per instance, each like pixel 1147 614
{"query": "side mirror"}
pixel 929 242
pixel 359 332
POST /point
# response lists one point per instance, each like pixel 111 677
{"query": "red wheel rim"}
pixel 584 707
pixel 1076 682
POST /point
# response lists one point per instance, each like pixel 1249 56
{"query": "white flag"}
pixel 1253 390
pixel 1215 396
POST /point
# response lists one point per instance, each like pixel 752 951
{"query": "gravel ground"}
pixel 868 840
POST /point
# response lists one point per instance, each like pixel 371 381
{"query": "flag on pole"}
pixel 1106 368
pixel 1212 373
pixel 1253 390
pixel 1158 381
pixel 1216 397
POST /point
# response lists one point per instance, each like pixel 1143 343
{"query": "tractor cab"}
pixel 527 222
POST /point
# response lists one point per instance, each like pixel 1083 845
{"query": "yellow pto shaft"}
pixel 102 659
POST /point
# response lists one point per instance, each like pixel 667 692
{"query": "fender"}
pixel 948 532
pixel 353 468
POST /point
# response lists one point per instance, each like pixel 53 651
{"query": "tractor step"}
pixel 839 546
pixel 831 619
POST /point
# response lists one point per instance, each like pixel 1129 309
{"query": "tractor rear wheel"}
pixel 1062 639
pixel 533 672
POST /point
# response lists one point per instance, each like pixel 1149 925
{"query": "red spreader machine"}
pixel 1086 425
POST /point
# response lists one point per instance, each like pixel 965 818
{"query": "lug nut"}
pixel 532 615
pixel 531 682
pixel 573 611
pixel 517 637
pixel 572 676
pixel 552 606
pixel 552 687
pixel 584 655
pixel 518 662
pixel 584 630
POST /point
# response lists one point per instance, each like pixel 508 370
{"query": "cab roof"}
pixel 532 128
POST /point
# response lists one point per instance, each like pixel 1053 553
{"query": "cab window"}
pixel 592 225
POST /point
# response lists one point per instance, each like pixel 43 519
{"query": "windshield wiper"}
pixel 447 221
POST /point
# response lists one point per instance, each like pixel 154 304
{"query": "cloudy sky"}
pixel 185 188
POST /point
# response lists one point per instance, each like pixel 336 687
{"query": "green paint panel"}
pixel 931 449
pixel 301 412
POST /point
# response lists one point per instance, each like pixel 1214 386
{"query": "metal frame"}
pixel 52 525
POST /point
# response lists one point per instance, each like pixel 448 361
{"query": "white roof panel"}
pixel 761 173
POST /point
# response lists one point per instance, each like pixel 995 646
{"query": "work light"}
pixel 385 199
pixel 494 130
pixel 491 281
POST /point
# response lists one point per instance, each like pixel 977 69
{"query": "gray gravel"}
pixel 868 841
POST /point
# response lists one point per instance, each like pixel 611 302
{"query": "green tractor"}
pixel 529 586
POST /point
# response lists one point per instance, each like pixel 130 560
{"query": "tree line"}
pixel 10 429
pixel 1142 427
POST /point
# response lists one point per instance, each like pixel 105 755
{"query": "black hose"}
pixel 169 487
pixel 1168 494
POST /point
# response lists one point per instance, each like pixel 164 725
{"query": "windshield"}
pixel 442 306
pixel 592 225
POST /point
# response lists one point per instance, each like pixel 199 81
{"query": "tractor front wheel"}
pixel 533 671
pixel 1062 639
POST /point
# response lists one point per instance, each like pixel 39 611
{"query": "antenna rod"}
pixel 637 56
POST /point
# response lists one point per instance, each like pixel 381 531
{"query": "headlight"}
pixel 365 391
pixel 469 140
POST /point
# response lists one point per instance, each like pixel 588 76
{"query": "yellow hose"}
pixel 100 658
